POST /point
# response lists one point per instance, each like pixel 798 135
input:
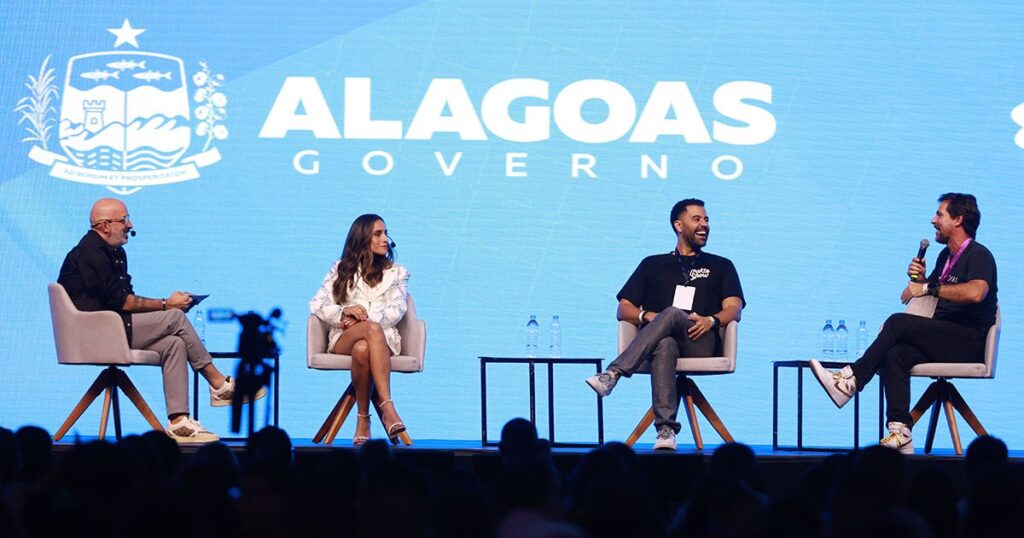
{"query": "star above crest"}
pixel 126 35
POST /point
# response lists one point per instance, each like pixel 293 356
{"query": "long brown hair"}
pixel 358 258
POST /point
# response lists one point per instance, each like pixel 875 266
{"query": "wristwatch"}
pixel 715 322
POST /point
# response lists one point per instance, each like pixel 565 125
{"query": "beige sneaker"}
pixel 604 382
pixel 666 439
pixel 899 438
pixel 222 397
pixel 840 386
pixel 189 430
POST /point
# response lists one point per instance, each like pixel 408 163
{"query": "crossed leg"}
pixel 371 362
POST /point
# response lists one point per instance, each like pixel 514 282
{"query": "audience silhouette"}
pixel 144 484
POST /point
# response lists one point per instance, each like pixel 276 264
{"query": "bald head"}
pixel 106 208
pixel 109 218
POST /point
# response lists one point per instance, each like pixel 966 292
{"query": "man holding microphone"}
pixel 963 283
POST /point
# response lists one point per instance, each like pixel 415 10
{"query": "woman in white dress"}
pixel 363 298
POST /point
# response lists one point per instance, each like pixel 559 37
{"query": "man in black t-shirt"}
pixel 678 300
pixel 95 275
pixel 964 282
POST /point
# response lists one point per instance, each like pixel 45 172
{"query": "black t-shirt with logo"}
pixel 976 263
pixel 652 286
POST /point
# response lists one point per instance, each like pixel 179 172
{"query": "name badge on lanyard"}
pixel 683 298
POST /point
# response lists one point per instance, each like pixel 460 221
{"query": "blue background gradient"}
pixel 878 110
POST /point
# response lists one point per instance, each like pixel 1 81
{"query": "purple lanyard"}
pixel 951 261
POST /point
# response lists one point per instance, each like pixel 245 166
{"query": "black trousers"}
pixel 907 340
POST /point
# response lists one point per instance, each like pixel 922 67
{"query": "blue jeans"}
pixel 656 349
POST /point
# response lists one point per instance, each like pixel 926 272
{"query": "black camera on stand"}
pixel 255 345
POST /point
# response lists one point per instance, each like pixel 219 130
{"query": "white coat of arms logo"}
pixel 126 120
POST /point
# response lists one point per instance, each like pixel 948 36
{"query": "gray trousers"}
pixel 170 334
pixel 659 344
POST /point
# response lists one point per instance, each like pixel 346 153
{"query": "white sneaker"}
pixel 840 386
pixel 899 438
pixel 604 382
pixel 666 439
pixel 222 397
pixel 189 430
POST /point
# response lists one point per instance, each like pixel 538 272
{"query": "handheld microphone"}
pixel 921 249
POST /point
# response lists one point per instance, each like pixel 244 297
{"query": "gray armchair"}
pixel 685 386
pixel 98 339
pixel 414 340
pixel 942 393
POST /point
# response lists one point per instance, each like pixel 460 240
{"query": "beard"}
pixel 696 242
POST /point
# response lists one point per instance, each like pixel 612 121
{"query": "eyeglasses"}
pixel 123 220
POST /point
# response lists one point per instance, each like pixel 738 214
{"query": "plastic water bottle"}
pixel 828 341
pixel 199 324
pixel 555 350
pixel 842 342
pixel 532 328
pixel 862 338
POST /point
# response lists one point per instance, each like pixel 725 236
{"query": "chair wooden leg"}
pixel 105 412
pixel 326 426
pixel 349 400
pixel 965 411
pixel 115 402
pixel 954 433
pixel 339 419
pixel 101 382
pixel 926 401
pixel 129 390
pixel 708 411
pixel 641 427
pixel 942 394
pixel 110 380
pixel 933 419
pixel 691 417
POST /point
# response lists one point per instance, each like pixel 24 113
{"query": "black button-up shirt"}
pixel 96 277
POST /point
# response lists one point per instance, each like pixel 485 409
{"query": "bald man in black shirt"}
pixel 95 275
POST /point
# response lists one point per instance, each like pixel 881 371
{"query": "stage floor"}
pixel 469 448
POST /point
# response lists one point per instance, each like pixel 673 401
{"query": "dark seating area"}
pixel 147 485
